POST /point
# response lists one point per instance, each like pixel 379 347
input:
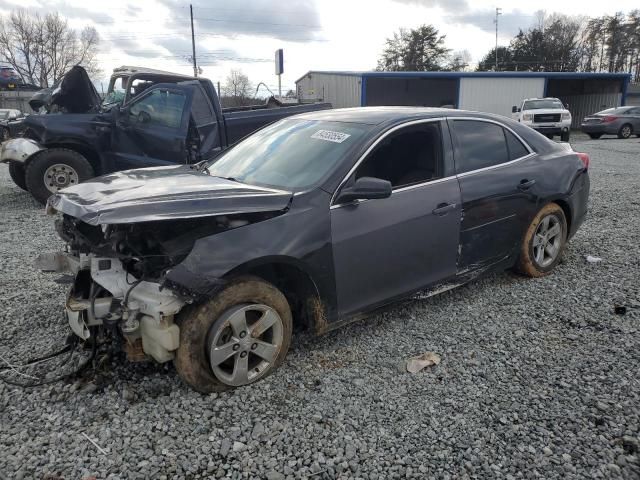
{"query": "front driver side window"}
pixel 159 108
pixel 409 156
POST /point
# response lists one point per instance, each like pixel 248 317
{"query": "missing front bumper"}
pixel 104 294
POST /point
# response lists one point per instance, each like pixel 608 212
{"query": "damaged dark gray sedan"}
pixel 314 221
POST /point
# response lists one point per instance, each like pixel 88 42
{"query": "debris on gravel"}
pixel 538 378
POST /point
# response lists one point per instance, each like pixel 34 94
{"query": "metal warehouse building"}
pixel 494 92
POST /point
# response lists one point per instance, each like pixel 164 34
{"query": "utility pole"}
pixel 498 13
pixel 193 44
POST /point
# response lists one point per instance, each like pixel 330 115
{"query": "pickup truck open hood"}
pixel 73 94
pixel 163 193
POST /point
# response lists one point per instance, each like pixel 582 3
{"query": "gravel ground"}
pixel 539 378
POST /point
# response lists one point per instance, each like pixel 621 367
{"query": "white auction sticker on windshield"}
pixel 336 137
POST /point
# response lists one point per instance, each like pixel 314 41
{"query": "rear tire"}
pixel 543 242
pixel 564 137
pixel 16 172
pixel 625 131
pixel 62 166
pixel 212 326
pixel 595 136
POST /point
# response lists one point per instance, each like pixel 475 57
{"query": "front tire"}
pixel 16 172
pixel 54 169
pixel 595 136
pixel 237 338
pixel 543 242
pixel 625 131
pixel 6 134
pixel 564 136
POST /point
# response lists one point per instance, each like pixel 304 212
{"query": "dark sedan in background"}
pixel 620 121
pixel 315 220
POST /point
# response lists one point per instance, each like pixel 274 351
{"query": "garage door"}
pixel 498 95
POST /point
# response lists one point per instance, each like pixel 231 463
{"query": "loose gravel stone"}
pixel 529 366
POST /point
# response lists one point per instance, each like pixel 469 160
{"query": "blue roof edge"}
pixel 453 75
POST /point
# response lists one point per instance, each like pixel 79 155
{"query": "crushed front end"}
pixel 118 278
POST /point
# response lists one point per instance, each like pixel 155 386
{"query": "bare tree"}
pixel 237 84
pixel 42 49
pixel 237 90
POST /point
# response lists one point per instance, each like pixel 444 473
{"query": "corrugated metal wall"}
pixel 339 90
pixel 582 105
pixel 497 95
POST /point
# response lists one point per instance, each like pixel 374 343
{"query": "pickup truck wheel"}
pixel 16 172
pixel 625 131
pixel 543 242
pixel 54 169
pixel 595 136
pixel 564 136
pixel 237 338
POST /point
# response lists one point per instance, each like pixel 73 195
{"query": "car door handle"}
pixel 526 184
pixel 444 208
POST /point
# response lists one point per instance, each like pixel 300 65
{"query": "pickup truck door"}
pixel 209 130
pixel 152 129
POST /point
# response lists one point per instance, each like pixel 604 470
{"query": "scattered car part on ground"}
pixel 159 119
pixel 620 121
pixel 211 264
pixel 420 362
pixel 548 116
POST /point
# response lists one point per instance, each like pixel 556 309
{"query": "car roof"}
pixel 379 115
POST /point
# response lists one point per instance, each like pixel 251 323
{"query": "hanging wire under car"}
pixel 39 381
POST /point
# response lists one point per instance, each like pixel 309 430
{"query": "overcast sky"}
pixel 315 34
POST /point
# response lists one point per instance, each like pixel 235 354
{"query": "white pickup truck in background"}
pixel 548 116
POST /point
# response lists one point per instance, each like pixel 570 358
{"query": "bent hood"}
pixel 163 193
pixel 73 94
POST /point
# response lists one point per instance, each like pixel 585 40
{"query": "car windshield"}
pixel 542 103
pixel 4 114
pixel 290 154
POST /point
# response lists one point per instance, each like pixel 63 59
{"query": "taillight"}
pixel 4 73
pixel 609 118
pixel 585 159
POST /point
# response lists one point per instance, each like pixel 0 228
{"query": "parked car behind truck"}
pixel 621 121
pixel 159 118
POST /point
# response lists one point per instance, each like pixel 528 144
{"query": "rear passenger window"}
pixel 516 148
pixel 479 145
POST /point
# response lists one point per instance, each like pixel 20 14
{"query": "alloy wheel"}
pixel 59 176
pixel 244 343
pixel 547 241
pixel 625 131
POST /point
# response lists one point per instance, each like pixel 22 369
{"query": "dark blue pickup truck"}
pixel 148 118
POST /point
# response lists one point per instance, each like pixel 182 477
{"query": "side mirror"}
pixel 365 188
pixel 514 109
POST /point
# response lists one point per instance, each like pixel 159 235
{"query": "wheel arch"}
pixel 566 208
pixel 294 280
pixel 87 151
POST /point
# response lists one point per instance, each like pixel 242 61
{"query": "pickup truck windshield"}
pixel 543 103
pixel 290 154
